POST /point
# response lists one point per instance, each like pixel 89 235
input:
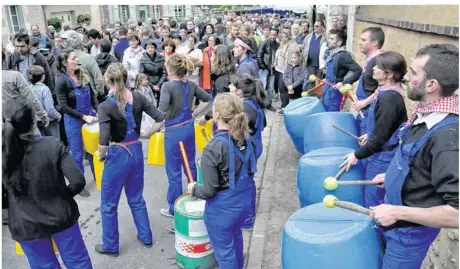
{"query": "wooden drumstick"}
pixel 331 201
pixel 187 166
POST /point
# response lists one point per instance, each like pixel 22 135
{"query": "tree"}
pixel 56 23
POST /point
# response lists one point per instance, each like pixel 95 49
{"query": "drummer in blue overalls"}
pixel 176 101
pixel 338 64
pixel 77 102
pixel 228 164
pixel 120 119
pixel 421 182
pixel 386 114
pixel 250 90
pixel 370 43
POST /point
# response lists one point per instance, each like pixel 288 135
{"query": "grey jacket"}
pixel 14 85
pixel 95 76
pixel 306 45
pixel 43 94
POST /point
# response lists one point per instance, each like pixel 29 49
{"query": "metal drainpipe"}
pixel 44 17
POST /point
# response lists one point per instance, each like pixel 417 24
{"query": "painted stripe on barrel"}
pixel 192 248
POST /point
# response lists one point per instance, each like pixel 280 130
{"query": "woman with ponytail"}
pixel 77 102
pixel 228 165
pixel 251 92
pixel 176 101
pixel 120 119
pixel 41 205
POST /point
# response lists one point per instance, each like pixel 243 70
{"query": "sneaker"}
pixel 276 98
pixel 99 249
pixel 84 193
pixel 165 213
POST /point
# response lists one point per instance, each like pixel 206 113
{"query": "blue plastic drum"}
pixel 320 133
pixel 295 115
pixel 316 237
pixel 315 166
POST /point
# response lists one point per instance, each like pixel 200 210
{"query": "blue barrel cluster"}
pixel 330 238
pixel 315 166
pixel 295 115
pixel 316 236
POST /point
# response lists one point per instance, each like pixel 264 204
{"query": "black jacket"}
pixel 154 69
pixel 35 58
pixel 48 206
pixel 265 55
pixel 103 60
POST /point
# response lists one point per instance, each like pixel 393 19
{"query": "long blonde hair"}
pixel 178 65
pixel 116 76
pixel 231 112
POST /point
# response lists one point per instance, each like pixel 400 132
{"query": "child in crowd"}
pixel 141 85
pixel 43 93
pixel 293 77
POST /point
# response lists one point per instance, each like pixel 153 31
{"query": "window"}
pixel 179 11
pixel 143 13
pixel 124 13
pixel 156 12
pixel 13 18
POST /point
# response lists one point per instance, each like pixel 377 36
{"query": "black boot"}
pixel 99 249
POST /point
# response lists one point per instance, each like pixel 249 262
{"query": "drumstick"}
pixel 187 166
pixel 331 201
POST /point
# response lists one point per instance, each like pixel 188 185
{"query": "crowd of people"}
pixel 140 78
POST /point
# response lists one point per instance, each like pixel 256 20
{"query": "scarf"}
pixel 134 52
pixel 443 105
pixel 391 86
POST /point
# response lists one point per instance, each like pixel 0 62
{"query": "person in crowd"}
pixel 293 77
pixel 77 102
pixel 311 52
pixel 43 93
pixel 104 59
pixel 370 44
pixel 142 86
pixel 266 61
pixel 153 65
pixel 95 39
pixel 42 38
pixel 304 31
pixel 195 56
pixel 386 114
pixel 222 67
pixel 119 122
pixel 242 51
pixel 106 35
pixel 338 64
pixel 283 57
pixel 334 23
pixel 25 56
pixel 41 205
pixel 342 22
pixel 295 32
pixel 421 183
pixel 208 29
pixel 122 44
pixel 246 31
pixel 169 49
pixel 45 50
pixel 205 82
pixel 176 102
pixel 228 165
pixel 132 59
pixel 265 33
pixel 232 35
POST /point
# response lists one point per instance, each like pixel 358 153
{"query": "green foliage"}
pixel 56 23
pixel 84 19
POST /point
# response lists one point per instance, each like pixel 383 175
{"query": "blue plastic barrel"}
pixel 316 237
pixel 295 115
pixel 315 166
pixel 319 132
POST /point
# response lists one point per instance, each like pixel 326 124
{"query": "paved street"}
pixel 133 255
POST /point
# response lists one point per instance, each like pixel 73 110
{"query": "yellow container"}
pixel 90 135
pixel 20 252
pixel 98 169
pixel 156 155
pixel 203 134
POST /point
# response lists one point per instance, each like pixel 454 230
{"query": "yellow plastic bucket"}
pixel 21 252
pixel 203 134
pixel 90 135
pixel 98 169
pixel 156 155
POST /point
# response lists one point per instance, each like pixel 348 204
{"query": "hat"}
pixel 266 26
pixel 72 34
pixel 43 47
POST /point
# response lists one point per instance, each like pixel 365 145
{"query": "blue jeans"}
pixel 263 75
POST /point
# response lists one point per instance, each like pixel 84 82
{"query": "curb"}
pixel 257 238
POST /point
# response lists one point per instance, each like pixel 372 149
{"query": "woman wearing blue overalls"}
pixel 176 100
pixel 120 118
pixel 228 162
pixel 42 207
pixel 251 92
pixel 386 114
pixel 77 102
